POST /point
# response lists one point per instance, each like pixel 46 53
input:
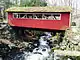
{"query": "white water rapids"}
pixel 41 51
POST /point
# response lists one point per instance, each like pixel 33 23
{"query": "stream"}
pixel 39 50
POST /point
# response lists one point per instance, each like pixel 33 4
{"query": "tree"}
pixel 6 3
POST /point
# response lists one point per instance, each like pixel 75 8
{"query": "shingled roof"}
pixel 39 9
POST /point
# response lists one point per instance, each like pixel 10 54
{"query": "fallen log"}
pixel 67 53
pixel 5 41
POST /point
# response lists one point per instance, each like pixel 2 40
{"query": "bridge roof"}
pixel 40 9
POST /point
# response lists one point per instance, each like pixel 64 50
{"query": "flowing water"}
pixel 40 51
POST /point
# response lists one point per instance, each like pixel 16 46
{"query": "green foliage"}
pixel 22 3
pixel 78 58
pixel 25 3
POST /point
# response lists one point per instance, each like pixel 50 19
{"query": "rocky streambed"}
pixel 41 44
